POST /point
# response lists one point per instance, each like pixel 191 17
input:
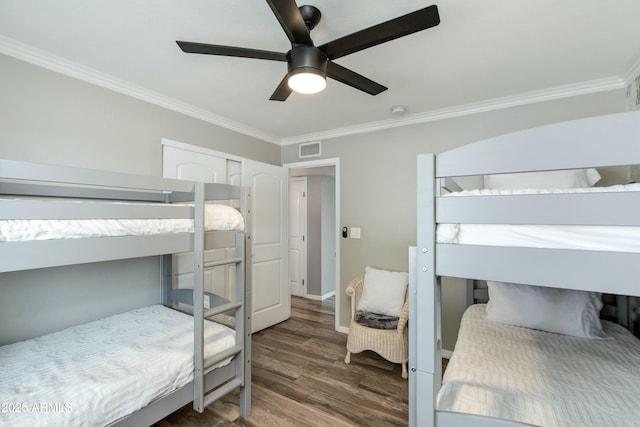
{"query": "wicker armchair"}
pixel 392 344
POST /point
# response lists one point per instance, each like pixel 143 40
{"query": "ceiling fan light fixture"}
pixel 307 69
pixel 307 82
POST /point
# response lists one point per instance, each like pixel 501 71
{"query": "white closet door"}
pixel 268 208
pixel 193 166
pixel 269 234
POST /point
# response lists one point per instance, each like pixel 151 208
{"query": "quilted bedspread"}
pixel 95 373
pixel 543 378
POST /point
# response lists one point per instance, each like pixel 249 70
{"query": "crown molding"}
pixel 632 73
pixel 60 65
pixel 558 92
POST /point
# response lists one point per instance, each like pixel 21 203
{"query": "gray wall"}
pixel 51 118
pixel 39 301
pixel 378 183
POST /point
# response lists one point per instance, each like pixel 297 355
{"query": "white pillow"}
pixel 383 291
pixel 561 311
pixel 576 178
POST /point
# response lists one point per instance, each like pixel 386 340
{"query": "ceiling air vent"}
pixel 311 149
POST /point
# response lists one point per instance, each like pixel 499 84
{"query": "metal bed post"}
pixel 426 362
pixel 413 336
pixel 198 298
pixel 243 318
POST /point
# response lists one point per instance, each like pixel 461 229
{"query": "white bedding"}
pixel 217 217
pixel 603 238
pixel 96 373
pixel 542 378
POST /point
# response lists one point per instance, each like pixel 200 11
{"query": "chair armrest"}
pixel 354 290
pixel 404 317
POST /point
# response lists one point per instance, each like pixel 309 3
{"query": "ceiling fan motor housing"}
pixel 310 15
pixel 303 59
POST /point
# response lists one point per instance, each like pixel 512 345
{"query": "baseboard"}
pixel 342 329
pixel 320 297
pixel 446 354
pixel 328 295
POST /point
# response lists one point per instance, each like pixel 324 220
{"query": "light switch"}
pixel 355 232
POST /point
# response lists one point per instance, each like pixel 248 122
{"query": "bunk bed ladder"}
pixel 202 399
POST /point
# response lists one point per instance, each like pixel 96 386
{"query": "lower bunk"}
pixel 132 368
pixel 541 378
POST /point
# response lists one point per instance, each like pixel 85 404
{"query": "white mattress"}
pixel 96 373
pixel 602 238
pixel 542 378
pixel 217 217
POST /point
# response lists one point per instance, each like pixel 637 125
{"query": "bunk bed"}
pixel 503 375
pixel 131 368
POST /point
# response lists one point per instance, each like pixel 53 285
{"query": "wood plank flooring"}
pixel 300 379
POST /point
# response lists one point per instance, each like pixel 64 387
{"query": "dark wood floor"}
pixel 300 379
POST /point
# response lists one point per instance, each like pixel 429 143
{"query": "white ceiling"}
pixel 483 53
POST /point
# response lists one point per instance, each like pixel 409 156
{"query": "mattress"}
pixel 98 372
pixel 601 238
pixel 542 378
pixel 217 217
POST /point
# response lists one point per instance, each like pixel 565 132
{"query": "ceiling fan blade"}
pixel 389 30
pixel 353 79
pixel 241 52
pixel 288 15
pixel 283 90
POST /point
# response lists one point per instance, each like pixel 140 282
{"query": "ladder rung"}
pixel 221 391
pixel 233 305
pixel 219 357
pixel 226 261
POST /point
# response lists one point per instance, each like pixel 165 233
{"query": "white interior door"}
pixel 297 235
pixel 269 235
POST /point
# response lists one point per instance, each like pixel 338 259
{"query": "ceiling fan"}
pixel 309 65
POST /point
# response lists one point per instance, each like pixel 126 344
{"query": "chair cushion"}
pixel 375 320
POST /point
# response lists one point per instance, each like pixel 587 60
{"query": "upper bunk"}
pixel 604 141
pixel 55 215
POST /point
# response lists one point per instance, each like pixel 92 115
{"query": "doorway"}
pixel 320 180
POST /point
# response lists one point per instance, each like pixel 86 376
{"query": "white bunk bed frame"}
pixel 39 180
pixel 611 140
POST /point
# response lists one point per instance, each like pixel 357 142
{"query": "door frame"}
pixel 335 161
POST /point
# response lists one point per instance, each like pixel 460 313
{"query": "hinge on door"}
pixel 302 282
pixel 304 194
pixel 303 238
